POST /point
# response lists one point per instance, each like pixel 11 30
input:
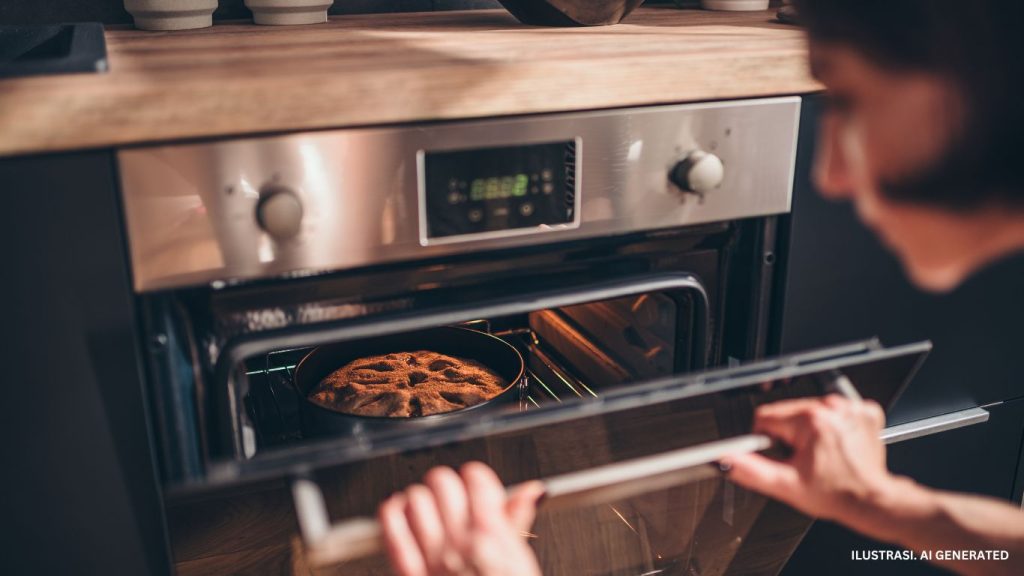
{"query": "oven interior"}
pixel 223 358
pixel 569 352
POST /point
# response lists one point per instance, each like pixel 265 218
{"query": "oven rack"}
pixel 272 403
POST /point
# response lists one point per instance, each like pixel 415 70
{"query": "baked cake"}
pixel 405 384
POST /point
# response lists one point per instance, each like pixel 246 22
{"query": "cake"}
pixel 407 384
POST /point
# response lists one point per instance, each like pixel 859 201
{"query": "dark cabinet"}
pixel 81 491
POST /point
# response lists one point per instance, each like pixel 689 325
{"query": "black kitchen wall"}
pixel 112 11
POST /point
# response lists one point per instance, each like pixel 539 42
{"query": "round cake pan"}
pixel 489 350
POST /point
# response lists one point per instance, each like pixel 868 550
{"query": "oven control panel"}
pixel 305 203
pixel 497 192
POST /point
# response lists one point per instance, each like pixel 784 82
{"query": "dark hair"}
pixel 979 45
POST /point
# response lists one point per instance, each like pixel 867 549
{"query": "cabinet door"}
pixel 79 478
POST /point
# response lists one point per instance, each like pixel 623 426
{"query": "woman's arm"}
pixel 837 471
pixel 920 518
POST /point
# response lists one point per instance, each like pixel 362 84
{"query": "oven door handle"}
pixel 356 538
pixel 934 425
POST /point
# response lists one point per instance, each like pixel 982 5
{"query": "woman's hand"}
pixel 837 462
pixel 461 525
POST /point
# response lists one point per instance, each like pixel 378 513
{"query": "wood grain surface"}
pixel 236 79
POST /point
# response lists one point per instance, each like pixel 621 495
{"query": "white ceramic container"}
pixel 171 14
pixel 288 12
pixel 735 5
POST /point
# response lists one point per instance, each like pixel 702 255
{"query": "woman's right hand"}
pixel 461 524
pixel 837 465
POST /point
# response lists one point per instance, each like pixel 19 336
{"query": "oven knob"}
pixel 700 172
pixel 279 212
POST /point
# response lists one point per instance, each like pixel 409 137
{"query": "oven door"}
pixel 632 481
pixel 631 474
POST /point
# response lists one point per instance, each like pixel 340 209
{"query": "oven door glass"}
pixel 633 485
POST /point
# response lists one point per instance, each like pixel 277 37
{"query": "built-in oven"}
pixel 628 258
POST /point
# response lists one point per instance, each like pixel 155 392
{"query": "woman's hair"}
pixel 979 46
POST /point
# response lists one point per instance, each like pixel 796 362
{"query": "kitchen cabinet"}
pixel 80 487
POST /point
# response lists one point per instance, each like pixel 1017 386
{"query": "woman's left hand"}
pixel 461 524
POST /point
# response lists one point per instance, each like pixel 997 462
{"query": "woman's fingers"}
pixel 461 524
pixel 521 506
pixel 756 472
pixel 798 422
pixel 486 496
pixel 401 545
pixel 786 408
pixel 788 425
pixel 452 502
pixel 427 527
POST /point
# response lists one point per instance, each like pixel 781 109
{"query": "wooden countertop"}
pixel 239 78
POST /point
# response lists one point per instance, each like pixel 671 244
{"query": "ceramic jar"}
pixel 286 12
pixel 171 14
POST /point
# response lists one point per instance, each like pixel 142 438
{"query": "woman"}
pixel 923 135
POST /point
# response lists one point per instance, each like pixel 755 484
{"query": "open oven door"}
pixel 631 472
pixel 633 485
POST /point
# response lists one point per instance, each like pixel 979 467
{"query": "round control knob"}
pixel 279 212
pixel 700 172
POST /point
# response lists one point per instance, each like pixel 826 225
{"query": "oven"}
pixel 630 258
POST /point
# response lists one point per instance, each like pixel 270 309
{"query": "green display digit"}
pixel 497 188
pixel 508 184
pixel 476 190
pixel 522 182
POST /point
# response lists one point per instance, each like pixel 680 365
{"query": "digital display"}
pixel 499 188
pixel 468 192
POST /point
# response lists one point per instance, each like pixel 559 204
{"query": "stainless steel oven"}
pixel 630 257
